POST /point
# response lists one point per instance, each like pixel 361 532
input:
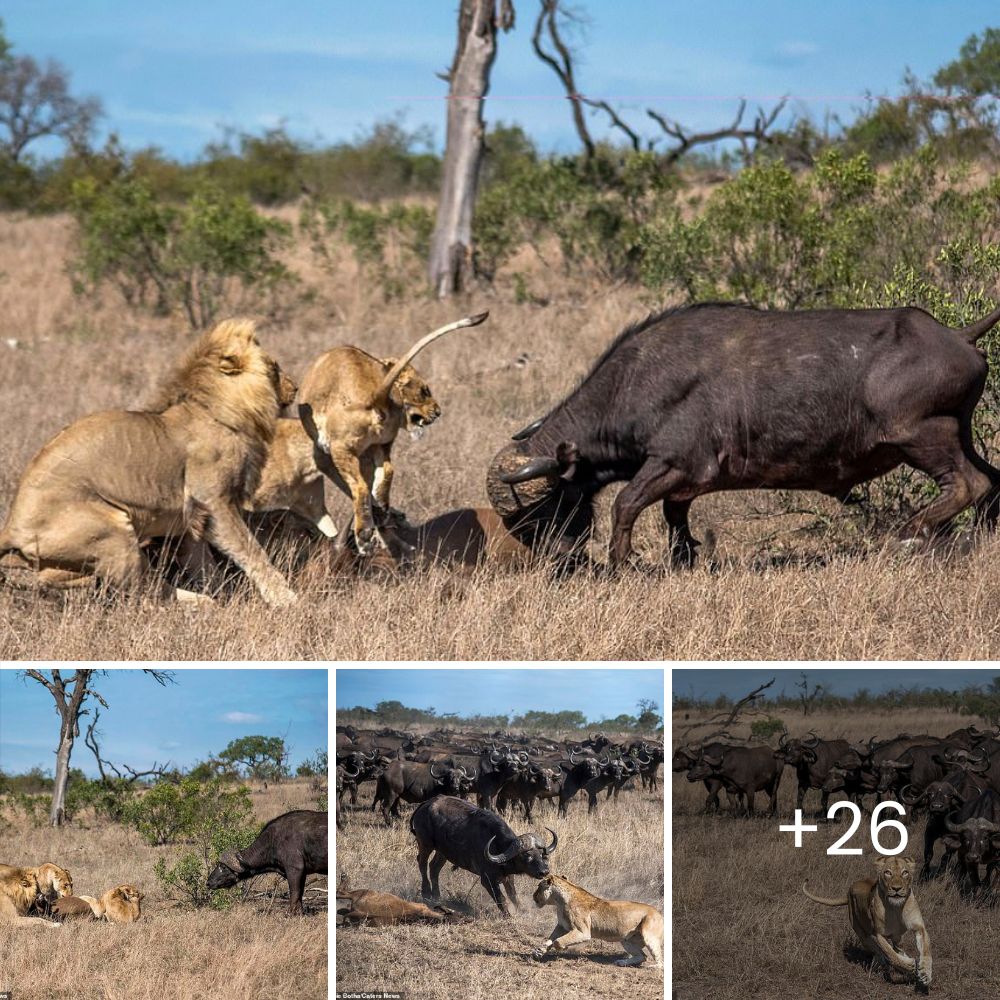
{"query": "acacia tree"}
pixel 264 757
pixel 450 265
pixel 71 695
pixel 35 102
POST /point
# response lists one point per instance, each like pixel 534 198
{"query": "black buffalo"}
pixel 724 397
pixel 581 772
pixel 410 782
pixel 686 757
pixel 478 841
pixel 742 771
pixel 812 759
pixel 974 832
pixel 294 845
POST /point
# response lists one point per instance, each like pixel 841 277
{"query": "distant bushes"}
pixel 981 700
pixel 162 257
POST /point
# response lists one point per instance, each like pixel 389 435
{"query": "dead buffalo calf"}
pixel 294 845
pixel 727 397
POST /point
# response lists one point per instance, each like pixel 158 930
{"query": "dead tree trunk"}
pixel 450 265
pixel 70 693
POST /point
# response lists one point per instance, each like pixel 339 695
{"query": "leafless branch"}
pixel 561 64
pixel 133 775
pixel 731 718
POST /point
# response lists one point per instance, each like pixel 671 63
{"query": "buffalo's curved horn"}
pixel 555 840
pixel 433 775
pixel 813 743
pixel 474 775
pixel 501 859
pixel 523 756
pixel 911 800
pixel 527 432
pixel 494 757
pixel 979 766
pixel 782 740
pixel 232 861
pixel 536 468
pixel 371 756
pixel 605 761
pixel 648 760
pixel 954 827
pixel 572 757
pixel 714 761
pixel 348 773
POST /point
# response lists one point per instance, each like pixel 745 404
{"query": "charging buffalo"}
pixel 725 397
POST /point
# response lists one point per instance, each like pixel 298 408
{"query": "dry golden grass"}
pixel 171 953
pixel 75 356
pixel 617 853
pixel 743 930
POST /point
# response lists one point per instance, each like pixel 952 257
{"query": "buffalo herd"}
pixel 440 772
pixel 953 780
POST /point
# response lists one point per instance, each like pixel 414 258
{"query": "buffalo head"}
pixel 226 872
pixel 526 854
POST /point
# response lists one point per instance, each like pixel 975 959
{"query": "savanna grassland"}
pixel 254 949
pixel 770 588
pixel 742 928
pixel 616 853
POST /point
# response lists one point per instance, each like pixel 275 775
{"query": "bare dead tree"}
pixel 90 739
pixel 756 133
pixel 70 694
pixel 450 264
pixel 561 63
pixel 808 698
pixel 724 721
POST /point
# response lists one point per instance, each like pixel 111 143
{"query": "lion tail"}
pixel 825 902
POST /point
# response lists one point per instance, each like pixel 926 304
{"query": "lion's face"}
pixel 53 881
pixel 129 894
pixel 543 894
pixel 895 876
pixel 414 394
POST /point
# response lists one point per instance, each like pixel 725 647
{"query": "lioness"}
pixel 120 905
pixel 353 405
pixel 882 910
pixel 583 916
pixel 18 891
pixel 108 483
pixel 51 881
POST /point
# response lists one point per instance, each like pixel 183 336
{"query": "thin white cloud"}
pixel 797 49
pixel 242 717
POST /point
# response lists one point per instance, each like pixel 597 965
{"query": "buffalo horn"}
pixel 501 859
pixel 526 432
pixel 814 742
pixel 910 800
pixel 348 773
pixel 555 840
pixel 543 465
pixel 433 775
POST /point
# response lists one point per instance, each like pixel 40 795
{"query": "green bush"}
pixel 391 244
pixel 217 820
pixel 162 257
pixel 595 211
pixel 762 730
pixel 170 811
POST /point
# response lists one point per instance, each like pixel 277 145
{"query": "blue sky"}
pixel 171 73
pixel 598 693
pixel 736 683
pixel 182 722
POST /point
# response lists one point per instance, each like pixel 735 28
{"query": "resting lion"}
pixel 108 483
pixel 120 905
pixel 583 916
pixel 51 881
pixel 353 405
pixel 18 891
pixel 882 910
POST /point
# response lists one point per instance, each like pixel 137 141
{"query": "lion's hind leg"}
pixel 634 944
pixel 651 932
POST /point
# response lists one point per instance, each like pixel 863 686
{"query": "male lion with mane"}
pixel 111 481
pixel 882 910
pixel 18 892
pixel 583 916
